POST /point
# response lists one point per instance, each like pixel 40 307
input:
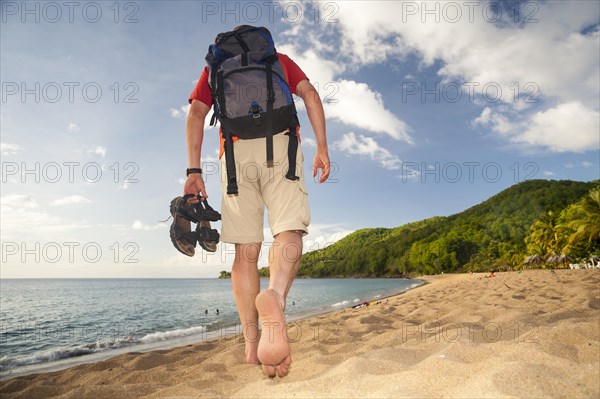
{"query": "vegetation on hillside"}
pixel 536 216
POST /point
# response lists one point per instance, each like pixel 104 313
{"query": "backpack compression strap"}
pixel 220 112
pixel 232 187
pixel 269 115
pixel 292 151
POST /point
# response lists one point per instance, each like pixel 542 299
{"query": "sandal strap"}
pixel 200 211
pixel 207 234
pixel 179 234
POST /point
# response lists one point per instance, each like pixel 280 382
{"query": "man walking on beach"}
pixel 260 179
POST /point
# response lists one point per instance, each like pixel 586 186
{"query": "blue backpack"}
pixel 251 95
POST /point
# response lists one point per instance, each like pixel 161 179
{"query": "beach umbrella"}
pixel 534 260
pixel 552 259
pixel 563 258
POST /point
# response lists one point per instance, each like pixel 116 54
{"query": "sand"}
pixel 529 334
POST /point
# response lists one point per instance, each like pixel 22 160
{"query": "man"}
pixel 260 185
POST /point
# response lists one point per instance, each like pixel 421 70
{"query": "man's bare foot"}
pixel 250 351
pixel 251 337
pixel 273 347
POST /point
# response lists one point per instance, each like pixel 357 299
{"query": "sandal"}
pixel 183 213
pixel 182 236
pixel 207 238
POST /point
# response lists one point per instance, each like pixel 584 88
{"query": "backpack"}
pixel 251 94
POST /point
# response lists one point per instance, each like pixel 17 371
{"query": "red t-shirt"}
pixel 293 72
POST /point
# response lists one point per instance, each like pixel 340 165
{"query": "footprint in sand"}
pixel 594 303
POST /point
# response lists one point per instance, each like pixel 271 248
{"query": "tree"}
pixel 224 274
pixel 544 236
pixel 586 221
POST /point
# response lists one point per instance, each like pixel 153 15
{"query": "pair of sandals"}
pixel 184 214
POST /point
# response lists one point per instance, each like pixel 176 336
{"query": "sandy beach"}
pixel 529 334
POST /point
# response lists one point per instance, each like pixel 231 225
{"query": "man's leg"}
pixel 246 285
pixel 284 259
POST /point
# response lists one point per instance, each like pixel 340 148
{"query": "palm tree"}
pixel 586 223
pixel 544 236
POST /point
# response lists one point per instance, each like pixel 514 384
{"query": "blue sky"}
pixel 430 111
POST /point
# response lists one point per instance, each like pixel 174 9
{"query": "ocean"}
pixel 48 324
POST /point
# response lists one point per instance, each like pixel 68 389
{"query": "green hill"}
pixel 487 236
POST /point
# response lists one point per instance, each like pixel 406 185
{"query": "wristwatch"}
pixel 189 171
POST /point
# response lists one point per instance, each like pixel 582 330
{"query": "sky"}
pixel 432 107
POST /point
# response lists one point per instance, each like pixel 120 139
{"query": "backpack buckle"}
pixel 255 112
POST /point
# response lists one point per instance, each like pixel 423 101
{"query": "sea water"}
pixel 47 324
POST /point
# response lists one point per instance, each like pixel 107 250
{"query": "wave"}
pixel 340 303
pixel 11 362
pixel 167 335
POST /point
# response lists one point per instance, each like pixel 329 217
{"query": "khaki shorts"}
pixel 258 186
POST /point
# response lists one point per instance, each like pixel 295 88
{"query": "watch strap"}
pixel 189 171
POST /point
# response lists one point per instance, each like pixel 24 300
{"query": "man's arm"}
pixel 316 116
pixel 195 134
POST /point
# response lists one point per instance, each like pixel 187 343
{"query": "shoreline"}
pixel 211 333
pixel 532 333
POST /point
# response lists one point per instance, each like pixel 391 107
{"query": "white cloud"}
pixel 12 201
pixel 71 200
pixel 19 212
pixel 477 49
pixel 181 112
pixel 309 141
pixel 9 149
pixel 549 173
pixel 499 123
pixel 97 150
pixel 318 69
pixel 586 164
pixel 73 127
pixel 360 106
pixel 367 147
pixel 568 127
pixel 519 58
pixel 484 118
pixel 349 102
pixel 139 225
pixel 409 174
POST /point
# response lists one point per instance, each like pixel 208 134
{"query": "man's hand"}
pixel 316 116
pixel 194 185
pixel 321 162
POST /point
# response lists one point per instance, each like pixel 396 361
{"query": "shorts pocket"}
pixel 303 203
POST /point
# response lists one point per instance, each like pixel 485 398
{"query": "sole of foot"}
pixel 273 347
